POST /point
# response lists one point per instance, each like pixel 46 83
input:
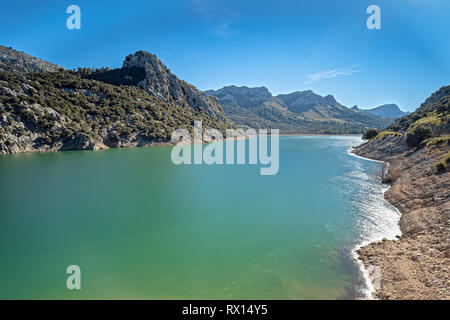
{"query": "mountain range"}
pixel 297 112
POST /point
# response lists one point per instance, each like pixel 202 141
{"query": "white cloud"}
pixel 343 71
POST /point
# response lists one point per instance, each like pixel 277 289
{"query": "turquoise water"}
pixel 140 227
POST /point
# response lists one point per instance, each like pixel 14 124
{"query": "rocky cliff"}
pixel 164 85
pixel 416 266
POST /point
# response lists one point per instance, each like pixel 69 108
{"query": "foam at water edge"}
pixel 393 214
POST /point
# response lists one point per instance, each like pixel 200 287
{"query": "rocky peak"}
pixel 242 95
pixel 390 111
pixel 330 100
pixel 301 101
pixel 389 106
pixel 160 82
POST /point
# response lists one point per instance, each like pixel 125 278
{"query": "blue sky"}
pixel 285 45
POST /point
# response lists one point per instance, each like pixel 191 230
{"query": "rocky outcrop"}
pixel 20 62
pixel 164 85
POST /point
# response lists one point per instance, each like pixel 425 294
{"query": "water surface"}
pixel 140 227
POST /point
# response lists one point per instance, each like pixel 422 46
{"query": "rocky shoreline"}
pixel 417 265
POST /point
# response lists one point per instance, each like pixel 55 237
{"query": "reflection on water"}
pixel 141 227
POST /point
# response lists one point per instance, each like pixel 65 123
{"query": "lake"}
pixel 140 227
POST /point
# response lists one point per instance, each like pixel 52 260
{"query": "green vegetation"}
pixel 124 76
pixel 432 114
pixel 63 104
pixel 416 135
pixel 443 163
pixel 432 119
pixel 373 134
pixel 370 133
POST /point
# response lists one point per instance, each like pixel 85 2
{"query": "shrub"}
pixel 440 167
pixel 418 134
pixel 370 133
pixel 444 106
pixel 443 163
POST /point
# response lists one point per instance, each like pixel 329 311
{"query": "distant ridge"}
pixel 390 111
pixel 297 112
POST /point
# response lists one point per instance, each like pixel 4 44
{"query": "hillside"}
pixel 417 149
pixel 298 112
pixel 433 113
pixel 20 62
pixel 67 110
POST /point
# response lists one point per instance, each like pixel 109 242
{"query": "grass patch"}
pixel 437 140
pixel 431 119
pixel 385 133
